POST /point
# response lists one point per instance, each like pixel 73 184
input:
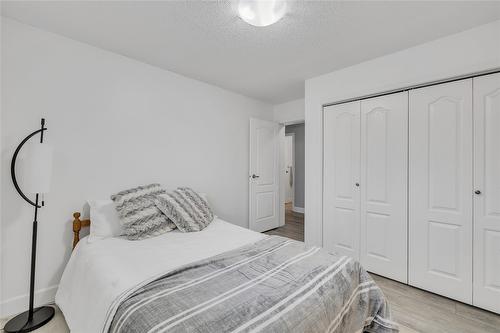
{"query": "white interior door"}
pixel 264 175
pixel 487 196
pixel 440 208
pixel 289 167
pixel 384 140
pixel 341 178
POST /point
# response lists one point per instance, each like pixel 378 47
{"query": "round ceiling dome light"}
pixel 261 13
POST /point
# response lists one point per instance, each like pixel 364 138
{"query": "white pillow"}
pixel 104 220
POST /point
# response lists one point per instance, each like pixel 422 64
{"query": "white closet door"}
pixel 384 146
pixel 341 174
pixel 487 200
pixel 440 190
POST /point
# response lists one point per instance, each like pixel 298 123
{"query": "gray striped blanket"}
pixel 274 285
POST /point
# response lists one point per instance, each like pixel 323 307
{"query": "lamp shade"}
pixel 38 168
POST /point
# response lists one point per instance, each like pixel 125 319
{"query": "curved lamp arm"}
pixel 13 163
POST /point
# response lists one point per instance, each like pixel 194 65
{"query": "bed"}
pixel 222 279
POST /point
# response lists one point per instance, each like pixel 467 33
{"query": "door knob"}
pixel 255 176
pixel 357 184
pixel 477 192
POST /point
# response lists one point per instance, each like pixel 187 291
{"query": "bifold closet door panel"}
pixel 486 293
pixel 341 174
pixel 440 189
pixel 383 185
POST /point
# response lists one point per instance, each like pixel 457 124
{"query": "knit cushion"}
pixel 138 213
pixel 186 208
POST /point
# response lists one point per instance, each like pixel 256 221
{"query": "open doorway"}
pixel 292 182
pixel 289 167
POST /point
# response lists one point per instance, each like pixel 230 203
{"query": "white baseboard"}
pixel 298 209
pixel 20 303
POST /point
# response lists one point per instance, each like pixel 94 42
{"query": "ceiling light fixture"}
pixel 261 13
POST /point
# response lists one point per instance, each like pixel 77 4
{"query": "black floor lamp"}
pixel 36 178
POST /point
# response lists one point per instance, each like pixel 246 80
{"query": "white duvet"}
pixel 100 274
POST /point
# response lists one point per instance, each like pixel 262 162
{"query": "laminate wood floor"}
pixel 415 310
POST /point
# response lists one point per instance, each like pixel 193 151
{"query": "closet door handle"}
pixel 477 192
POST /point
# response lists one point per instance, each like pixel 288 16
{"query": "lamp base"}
pixel 20 323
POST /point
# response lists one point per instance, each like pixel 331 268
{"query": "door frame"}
pixel 293 168
pixel 282 135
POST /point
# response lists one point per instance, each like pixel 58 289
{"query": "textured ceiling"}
pixel 208 42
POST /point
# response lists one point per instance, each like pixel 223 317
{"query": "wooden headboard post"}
pixel 77 226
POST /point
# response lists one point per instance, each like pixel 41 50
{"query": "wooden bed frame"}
pixel 77 226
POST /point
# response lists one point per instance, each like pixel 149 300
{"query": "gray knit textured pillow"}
pixel 138 213
pixel 186 208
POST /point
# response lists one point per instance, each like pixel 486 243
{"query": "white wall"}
pixel 290 112
pixel 470 51
pixel 114 123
